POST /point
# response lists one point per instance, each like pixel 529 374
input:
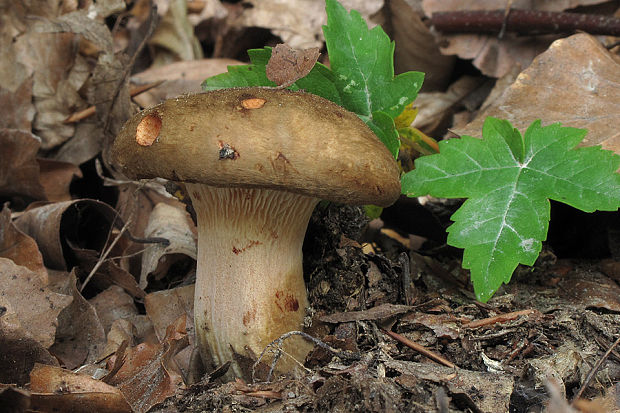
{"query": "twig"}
pixel 593 371
pixel 500 318
pixel 104 255
pixel 525 22
pixel 346 355
pixel 419 348
pixel 91 110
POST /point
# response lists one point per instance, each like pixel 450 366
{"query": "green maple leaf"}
pixel 361 78
pixel 509 180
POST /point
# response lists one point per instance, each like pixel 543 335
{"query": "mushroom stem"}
pixel 249 278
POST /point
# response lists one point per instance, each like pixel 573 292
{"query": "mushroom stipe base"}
pixel 250 287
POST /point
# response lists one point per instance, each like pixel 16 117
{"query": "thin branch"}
pixel 525 22
pixel 104 255
pixel 419 348
pixel 594 370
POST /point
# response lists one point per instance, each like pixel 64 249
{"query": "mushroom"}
pixel 255 162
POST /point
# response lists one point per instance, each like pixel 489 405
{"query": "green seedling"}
pixel 508 180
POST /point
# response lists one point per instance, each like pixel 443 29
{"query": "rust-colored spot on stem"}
pixel 148 129
pixel 253 103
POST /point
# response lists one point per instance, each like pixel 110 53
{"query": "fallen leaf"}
pixel 493 390
pixel 416 47
pixel 376 313
pixel 165 306
pixel 149 375
pixel 19 247
pixel 20 351
pixel 19 171
pixel 56 178
pixel 113 304
pixel 287 65
pixel 79 337
pixel 55 389
pixel 298 22
pixel 574 82
pixel 174 224
pixel 179 78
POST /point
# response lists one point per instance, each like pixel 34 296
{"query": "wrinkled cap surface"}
pixel 260 138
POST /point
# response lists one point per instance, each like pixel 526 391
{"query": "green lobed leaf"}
pixel 363 61
pixel 509 180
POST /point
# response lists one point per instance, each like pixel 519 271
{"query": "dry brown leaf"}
pixel 379 312
pixel 166 306
pixel 174 224
pixel 298 22
pixel 56 178
pixel 174 37
pixel 20 351
pixel 493 56
pixel 56 389
pixel 59 72
pixel 19 247
pixel 79 337
pixel 35 305
pixel 19 399
pixel 179 78
pixel 149 374
pixel 493 390
pixel 120 332
pixel 113 304
pixel 16 108
pixel 79 224
pixel 435 107
pixel 287 65
pixel 575 82
pixel 417 48
pixel 19 171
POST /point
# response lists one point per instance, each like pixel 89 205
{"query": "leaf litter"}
pixel 553 318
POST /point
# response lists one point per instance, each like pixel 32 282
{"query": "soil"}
pixel 538 338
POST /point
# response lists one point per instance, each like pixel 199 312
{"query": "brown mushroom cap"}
pixel 260 138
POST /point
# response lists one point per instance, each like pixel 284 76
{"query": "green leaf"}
pixel 243 75
pixel 509 181
pixel 363 61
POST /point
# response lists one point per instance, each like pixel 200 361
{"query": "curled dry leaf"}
pixel 56 389
pixel 575 82
pixel 36 307
pixel 416 47
pixel 19 247
pixel 172 223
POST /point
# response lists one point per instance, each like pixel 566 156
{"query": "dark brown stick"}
pixel 525 22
